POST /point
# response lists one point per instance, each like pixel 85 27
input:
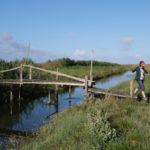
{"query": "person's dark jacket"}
pixel 137 70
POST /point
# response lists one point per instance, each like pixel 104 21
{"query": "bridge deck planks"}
pixel 42 82
pixel 109 92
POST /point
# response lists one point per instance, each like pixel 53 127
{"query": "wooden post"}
pixel 56 97
pixel 69 96
pixel 86 86
pixel 131 87
pixel 49 97
pixel 11 109
pixel 56 108
pixel 21 74
pixel 30 73
pixel 57 80
pixel 56 90
pixel 91 70
pixel 19 96
pixel 49 109
pixel 69 93
pixel 11 102
pixel 11 97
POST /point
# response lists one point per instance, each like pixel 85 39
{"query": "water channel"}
pixel 36 113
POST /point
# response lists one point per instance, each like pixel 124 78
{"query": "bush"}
pixel 100 129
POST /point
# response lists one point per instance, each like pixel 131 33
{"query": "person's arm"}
pixel 146 72
pixel 134 70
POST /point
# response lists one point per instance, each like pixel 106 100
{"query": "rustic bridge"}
pixel 85 83
pixel 82 82
pixel 21 81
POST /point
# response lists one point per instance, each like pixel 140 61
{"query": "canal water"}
pixel 36 113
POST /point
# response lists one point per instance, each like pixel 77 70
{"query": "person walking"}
pixel 140 77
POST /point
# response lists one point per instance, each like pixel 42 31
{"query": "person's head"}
pixel 142 64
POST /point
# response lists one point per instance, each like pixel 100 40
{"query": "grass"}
pixel 82 68
pixel 67 131
pixel 133 126
pixel 109 123
pixel 123 123
pixel 98 71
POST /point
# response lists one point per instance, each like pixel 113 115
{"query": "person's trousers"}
pixel 141 84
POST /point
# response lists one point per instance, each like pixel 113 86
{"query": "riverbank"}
pixel 97 124
pixel 38 106
pixel 108 123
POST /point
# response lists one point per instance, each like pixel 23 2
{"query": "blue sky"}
pixel 117 30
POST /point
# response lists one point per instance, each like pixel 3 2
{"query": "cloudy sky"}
pixel 117 30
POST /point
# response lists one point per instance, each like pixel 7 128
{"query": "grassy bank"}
pixel 99 72
pixel 82 68
pixel 110 124
pixel 105 124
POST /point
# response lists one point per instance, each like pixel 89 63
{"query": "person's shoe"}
pixel 145 99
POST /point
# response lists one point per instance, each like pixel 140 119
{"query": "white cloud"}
pixel 79 54
pixel 126 43
pixel 8 39
pixel 6 36
pixel 11 49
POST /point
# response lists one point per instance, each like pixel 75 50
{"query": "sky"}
pixel 117 30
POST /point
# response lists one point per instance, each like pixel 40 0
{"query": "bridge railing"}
pixel 8 70
pixel 54 73
pixel 85 81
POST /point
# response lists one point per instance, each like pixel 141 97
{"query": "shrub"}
pixel 100 129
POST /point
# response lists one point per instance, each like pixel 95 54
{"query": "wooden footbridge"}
pixel 75 81
pixel 85 83
pixel 79 81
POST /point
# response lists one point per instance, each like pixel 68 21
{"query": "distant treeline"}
pixel 63 62
pixel 70 62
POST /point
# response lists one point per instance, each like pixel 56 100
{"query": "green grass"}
pixel 123 123
pixel 105 124
pixel 133 125
pixel 67 131
pixel 82 68
pixel 98 71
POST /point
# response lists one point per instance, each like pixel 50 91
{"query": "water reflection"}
pixel 30 114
